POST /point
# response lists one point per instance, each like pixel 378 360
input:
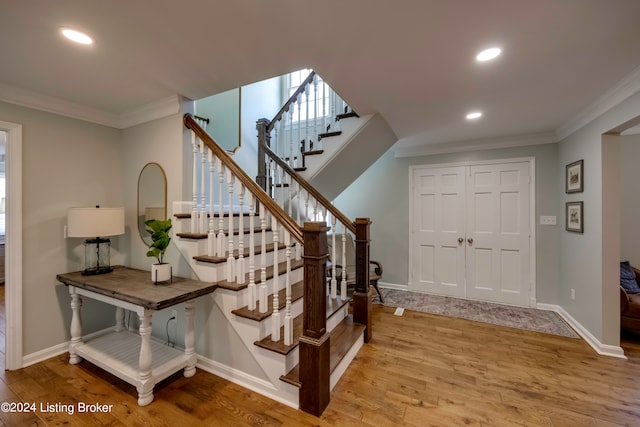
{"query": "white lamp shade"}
pixel 95 222
pixel 154 213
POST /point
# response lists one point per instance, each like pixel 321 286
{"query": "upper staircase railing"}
pixel 277 171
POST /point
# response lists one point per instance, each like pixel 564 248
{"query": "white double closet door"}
pixel 471 231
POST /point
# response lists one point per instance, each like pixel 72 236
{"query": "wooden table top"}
pixel 135 286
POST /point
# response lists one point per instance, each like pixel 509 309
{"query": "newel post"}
pixel 263 139
pixel 361 298
pixel 314 343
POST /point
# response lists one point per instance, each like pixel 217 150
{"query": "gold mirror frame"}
pixel 152 197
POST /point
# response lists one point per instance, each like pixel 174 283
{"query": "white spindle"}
pixel 315 111
pixel 334 260
pixel 194 209
pixel 306 97
pixel 240 271
pixel 298 150
pixel 230 258
pixel 263 262
pixel 288 318
pixel 252 253
pixel 292 162
pixel 211 238
pixel 275 316
pixel 202 224
pixel 324 108
pixel 298 244
pixel 220 247
pixel 343 283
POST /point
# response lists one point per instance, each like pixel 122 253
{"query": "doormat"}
pixel 530 319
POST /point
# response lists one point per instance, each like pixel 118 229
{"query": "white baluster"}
pixel 262 295
pixel 288 318
pixel 240 261
pixel 252 253
pixel 292 162
pixel 334 260
pixel 211 238
pixel 299 148
pixel 306 97
pixel 220 241
pixel 275 316
pixel 315 111
pixel 193 227
pixel 202 224
pixel 324 107
pixel 343 284
pixel 298 245
pixel 230 258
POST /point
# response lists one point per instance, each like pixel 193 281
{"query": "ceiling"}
pixel 412 61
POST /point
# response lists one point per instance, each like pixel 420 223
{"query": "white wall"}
pixel 382 193
pixel 66 163
pixel 596 306
pixel 630 199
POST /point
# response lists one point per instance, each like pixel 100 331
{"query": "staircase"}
pixel 330 151
pixel 277 323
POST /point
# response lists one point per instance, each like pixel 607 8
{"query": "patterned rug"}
pixel 530 319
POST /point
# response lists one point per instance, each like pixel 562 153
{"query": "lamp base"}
pixel 96 257
pixel 96 270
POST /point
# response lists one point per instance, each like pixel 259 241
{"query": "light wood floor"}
pixel 419 370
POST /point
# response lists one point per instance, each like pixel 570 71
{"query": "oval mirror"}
pixel 152 197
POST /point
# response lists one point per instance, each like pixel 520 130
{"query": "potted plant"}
pixel 159 230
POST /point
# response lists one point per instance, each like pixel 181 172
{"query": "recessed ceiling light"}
pixel 76 36
pixel 474 115
pixel 488 54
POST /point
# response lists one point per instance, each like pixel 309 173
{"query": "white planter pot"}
pixel 160 272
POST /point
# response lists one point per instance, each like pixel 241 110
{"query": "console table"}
pixel 134 357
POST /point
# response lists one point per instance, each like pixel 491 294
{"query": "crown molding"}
pixel 26 98
pixel 475 145
pixel 627 87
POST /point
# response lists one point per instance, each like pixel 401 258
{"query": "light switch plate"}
pixel 548 220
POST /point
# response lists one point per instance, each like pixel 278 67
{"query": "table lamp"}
pixel 95 224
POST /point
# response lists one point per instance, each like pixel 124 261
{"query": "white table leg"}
pixel 145 389
pixel 76 326
pixel 119 319
pixel 190 339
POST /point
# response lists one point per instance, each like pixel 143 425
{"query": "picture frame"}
pixel 574 180
pixel 574 217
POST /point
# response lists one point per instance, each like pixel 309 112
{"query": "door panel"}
pixel 498 233
pixel 438 222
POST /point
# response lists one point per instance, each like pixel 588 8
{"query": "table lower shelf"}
pixel 119 352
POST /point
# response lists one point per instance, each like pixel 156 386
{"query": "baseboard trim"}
pixel 57 350
pixel 396 286
pixel 603 349
pixel 252 383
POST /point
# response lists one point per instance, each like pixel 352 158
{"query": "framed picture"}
pixel 574 181
pixel 574 217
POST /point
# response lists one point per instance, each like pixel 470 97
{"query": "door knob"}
pixel 460 240
pixel 470 240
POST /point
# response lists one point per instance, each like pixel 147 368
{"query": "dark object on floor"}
pixel 350 251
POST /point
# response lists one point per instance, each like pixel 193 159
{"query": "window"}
pixel 311 105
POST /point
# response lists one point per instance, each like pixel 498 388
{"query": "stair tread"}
pixel 329 134
pixel 341 339
pixel 313 153
pixel 279 347
pixel 347 115
pixel 236 254
pixel 302 169
pixel 201 236
pixel 215 215
pixel 297 292
pixel 282 268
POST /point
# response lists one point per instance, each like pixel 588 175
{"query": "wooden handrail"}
pixel 305 184
pixel 291 100
pixel 280 215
